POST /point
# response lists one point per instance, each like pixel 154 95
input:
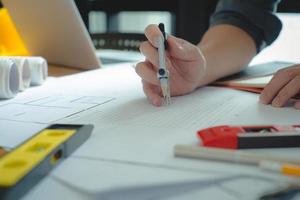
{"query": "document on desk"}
pixel 14 133
pixel 50 102
pixel 50 108
pixel 20 120
pixel 131 130
pixel 133 181
pixel 133 141
pixel 34 109
pixel 124 127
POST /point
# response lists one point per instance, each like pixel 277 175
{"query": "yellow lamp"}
pixel 11 43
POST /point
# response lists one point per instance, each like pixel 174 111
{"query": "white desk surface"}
pixel 130 153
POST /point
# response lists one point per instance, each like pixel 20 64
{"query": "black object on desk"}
pixel 285 194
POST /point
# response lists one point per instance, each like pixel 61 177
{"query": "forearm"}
pixel 227 50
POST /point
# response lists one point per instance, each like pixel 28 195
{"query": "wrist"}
pixel 206 76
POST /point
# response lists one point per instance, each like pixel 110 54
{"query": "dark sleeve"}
pixel 256 17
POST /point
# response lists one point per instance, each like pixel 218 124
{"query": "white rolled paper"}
pixel 9 78
pixel 24 71
pixel 39 70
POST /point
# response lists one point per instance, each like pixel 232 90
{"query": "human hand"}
pixel 284 85
pixel 185 62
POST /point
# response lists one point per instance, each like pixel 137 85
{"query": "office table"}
pixel 58 71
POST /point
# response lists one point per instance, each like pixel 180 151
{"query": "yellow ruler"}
pixel 23 167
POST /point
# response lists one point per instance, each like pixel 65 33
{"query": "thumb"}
pixel 182 49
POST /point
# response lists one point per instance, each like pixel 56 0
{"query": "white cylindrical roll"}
pixel 9 78
pixel 24 71
pixel 39 70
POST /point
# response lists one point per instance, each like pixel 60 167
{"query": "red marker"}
pixel 243 137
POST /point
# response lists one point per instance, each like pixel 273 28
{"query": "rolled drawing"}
pixel 9 78
pixel 39 70
pixel 24 71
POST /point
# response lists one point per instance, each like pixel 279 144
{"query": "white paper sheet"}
pixel 203 108
pixel 44 104
pixel 49 109
pixel 49 188
pixel 130 130
pixel 14 133
pixel 100 179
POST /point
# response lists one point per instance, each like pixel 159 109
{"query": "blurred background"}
pixel 108 21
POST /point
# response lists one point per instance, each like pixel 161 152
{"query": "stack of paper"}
pixel 250 84
pixel 253 78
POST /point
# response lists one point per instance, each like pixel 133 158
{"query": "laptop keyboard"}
pixel 108 56
pixel 112 60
